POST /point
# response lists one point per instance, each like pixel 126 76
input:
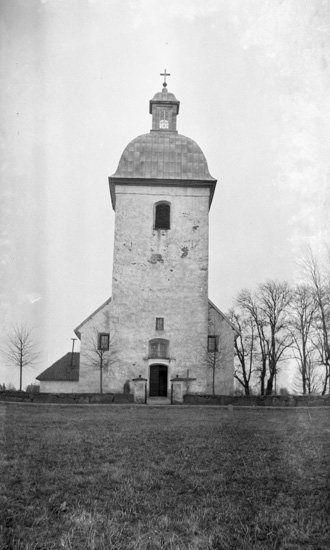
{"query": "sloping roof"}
pixel 224 317
pixel 62 370
pixel 77 329
pixel 163 155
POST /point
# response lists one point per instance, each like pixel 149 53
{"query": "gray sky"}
pixel 252 77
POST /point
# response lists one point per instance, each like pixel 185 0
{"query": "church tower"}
pixel 161 193
pixel 159 320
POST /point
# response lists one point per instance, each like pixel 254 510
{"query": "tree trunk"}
pixel 269 387
pixel 304 384
pixel 325 385
pixel 20 372
pixel 304 368
pixel 262 386
pixel 303 377
pixel 262 380
pixel 101 366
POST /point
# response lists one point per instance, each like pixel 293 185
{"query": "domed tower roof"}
pixel 164 96
pixel 163 156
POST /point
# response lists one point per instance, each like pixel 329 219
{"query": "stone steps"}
pixel 158 401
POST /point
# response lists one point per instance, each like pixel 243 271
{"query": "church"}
pixel 159 324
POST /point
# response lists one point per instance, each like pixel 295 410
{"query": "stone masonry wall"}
pixel 224 362
pixel 289 401
pixel 161 273
pixel 89 369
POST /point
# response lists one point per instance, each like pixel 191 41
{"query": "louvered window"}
pixel 163 123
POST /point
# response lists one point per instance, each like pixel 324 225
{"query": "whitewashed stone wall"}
pixel 89 369
pixel 58 386
pixel 224 366
pixel 161 273
pixel 158 273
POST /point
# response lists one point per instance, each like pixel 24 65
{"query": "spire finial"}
pixel 165 74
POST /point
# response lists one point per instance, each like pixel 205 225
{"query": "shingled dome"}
pixel 163 155
pixel 164 96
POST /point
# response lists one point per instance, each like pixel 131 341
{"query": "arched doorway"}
pixel 158 381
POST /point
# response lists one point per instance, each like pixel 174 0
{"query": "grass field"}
pixel 130 477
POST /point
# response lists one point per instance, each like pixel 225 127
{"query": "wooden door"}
pixel 158 381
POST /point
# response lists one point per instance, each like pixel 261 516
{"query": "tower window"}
pixel 162 216
pixel 163 122
pixel 159 323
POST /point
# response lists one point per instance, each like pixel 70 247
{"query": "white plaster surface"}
pixel 58 386
pixel 224 365
pixel 158 273
pixel 161 273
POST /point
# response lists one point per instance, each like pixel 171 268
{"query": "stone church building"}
pixel 159 323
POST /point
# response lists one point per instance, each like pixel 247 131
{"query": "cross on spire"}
pixel 165 74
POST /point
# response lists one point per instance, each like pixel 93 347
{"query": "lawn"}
pixel 135 477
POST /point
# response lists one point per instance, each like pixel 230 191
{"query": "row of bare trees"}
pixel 278 323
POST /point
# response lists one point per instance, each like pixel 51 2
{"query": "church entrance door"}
pixel 158 381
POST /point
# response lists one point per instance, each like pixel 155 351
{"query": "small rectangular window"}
pixel 212 343
pixel 104 341
pixel 159 323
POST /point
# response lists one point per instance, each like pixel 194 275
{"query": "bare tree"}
pixel 245 348
pixel 275 298
pixel 216 350
pixel 318 277
pixel 269 309
pixel 20 349
pixel 302 317
pixel 248 303
pixel 213 357
pixel 101 351
pixel 312 375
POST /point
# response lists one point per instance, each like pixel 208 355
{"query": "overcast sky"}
pixel 253 80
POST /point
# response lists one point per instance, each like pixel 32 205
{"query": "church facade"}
pixel 159 323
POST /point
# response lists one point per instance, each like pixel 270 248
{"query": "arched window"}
pixel 162 215
pixel 159 348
